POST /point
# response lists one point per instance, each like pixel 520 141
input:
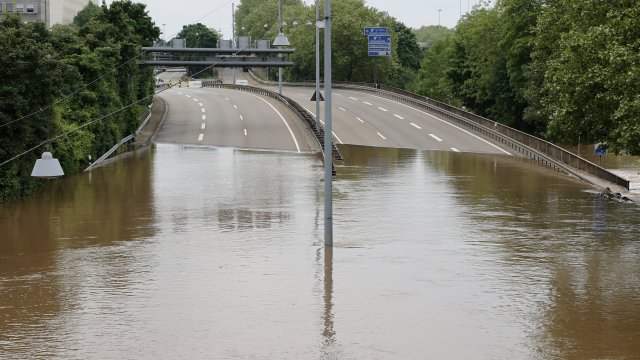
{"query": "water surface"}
pixel 199 253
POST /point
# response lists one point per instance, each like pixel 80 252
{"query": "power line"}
pixel 47 141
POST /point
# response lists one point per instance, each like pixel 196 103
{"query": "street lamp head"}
pixel 281 40
pixel 47 167
pixel 295 23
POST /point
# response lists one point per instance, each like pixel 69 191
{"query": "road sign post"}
pixel 379 44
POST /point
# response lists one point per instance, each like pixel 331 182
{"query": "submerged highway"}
pixel 231 118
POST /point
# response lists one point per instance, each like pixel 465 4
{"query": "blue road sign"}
pixel 375 31
pixel 379 45
pixel 379 39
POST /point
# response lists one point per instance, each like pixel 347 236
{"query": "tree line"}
pixel 350 62
pixel 57 80
pixel 565 70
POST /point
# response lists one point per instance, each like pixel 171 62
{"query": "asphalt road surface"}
pixel 361 118
pixel 230 118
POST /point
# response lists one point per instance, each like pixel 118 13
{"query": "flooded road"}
pixel 198 253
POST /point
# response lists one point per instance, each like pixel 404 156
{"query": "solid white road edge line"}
pixel 283 120
pixel 444 121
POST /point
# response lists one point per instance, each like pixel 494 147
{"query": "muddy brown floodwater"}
pixel 192 253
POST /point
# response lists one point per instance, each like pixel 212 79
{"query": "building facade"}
pixel 51 12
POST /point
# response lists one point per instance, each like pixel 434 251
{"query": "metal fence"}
pixel 554 155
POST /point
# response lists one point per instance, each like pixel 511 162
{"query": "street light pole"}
pixel 280 68
pixel 439 11
pixel 233 35
pixel 328 156
pixel 317 65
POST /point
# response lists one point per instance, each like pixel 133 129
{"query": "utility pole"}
pixel 328 156
pixel 317 65
pixel 280 27
pixel 233 34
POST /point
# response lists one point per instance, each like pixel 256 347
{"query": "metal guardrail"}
pixel 125 140
pixel 297 109
pixel 533 147
pixel 528 145
pixel 110 152
pixel 146 119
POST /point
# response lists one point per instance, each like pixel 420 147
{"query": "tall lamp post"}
pixel 319 24
pixel 328 159
pixel 280 41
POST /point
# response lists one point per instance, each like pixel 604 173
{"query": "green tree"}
pixel 429 35
pixel 408 56
pixel 86 14
pixel 199 36
pixel 432 79
pixel 31 76
pixel 518 22
pixel 591 91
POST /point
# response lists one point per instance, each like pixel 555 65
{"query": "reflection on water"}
pixel 187 252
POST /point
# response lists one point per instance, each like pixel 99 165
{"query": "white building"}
pixel 51 12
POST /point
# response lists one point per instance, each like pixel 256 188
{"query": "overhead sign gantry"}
pixel 216 57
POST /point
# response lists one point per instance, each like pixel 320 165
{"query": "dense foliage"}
pixel 350 58
pixel 58 80
pixel 563 69
pixel 199 36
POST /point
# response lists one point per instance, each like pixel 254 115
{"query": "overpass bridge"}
pixel 216 57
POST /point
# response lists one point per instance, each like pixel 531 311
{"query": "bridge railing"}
pixel 530 146
pixel 552 151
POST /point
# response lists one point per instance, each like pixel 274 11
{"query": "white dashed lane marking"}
pixel 200 137
pixel 435 137
pixel 383 109
pixel 202 126
pixel 398 116
pixel 455 150
pixel 415 126
pixel 367 103
pixel 362 121
pixel 383 138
